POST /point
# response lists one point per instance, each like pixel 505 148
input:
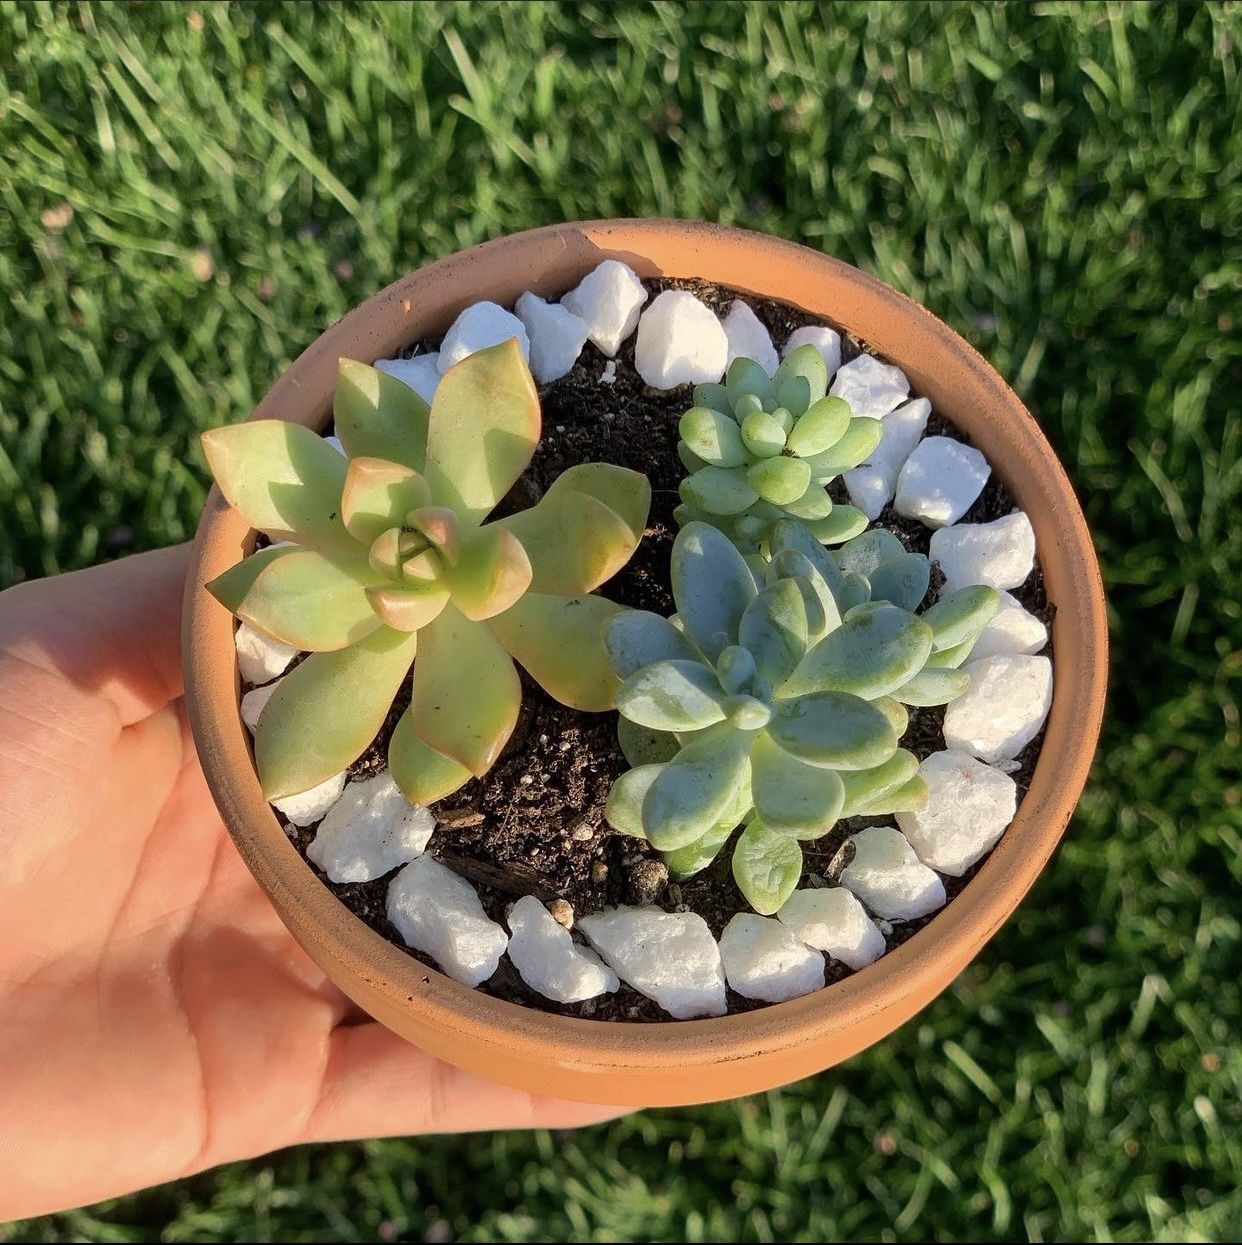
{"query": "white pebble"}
pixel 261 657
pixel 549 960
pixel 889 878
pixel 827 341
pixel 870 387
pixel 940 481
pixel 479 326
pixel 609 375
pixel 421 373
pixel 999 554
pixel 747 337
pixel 871 485
pixel 680 342
pixel 969 807
pixel 609 299
pixel 369 831
pixel 307 807
pixel 764 960
pixel 1003 709
pixel 556 336
pixel 335 442
pixel 670 957
pixel 255 701
pixel 439 913
pixel 831 919
pixel 1012 630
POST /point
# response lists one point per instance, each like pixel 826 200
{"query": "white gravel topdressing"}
pixel 871 485
pixel 421 373
pixel 971 804
pixel 889 878
pixel 870 387
pixel 680 342
pixel 548 959
pixel 748 339
pixel 479 326
pixel 670 957
pixel 370 830
pixel 439 913
pixel 765 960
pixel 1004 708
pixel 367 829
pixel 832 920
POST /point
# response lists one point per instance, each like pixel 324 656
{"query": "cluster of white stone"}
pixel 366 828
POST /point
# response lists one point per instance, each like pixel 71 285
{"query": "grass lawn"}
pixel 189 194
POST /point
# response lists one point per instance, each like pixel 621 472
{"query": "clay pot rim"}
pixel 585 1046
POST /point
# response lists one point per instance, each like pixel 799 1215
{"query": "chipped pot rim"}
pixel 674 1062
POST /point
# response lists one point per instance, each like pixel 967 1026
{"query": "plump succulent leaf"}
pixel 712 586
pixel 689 459
pixel 864 553
pixel 896 713
pixel 694 790
pixel 872 653
pixel 377 495
pixel 933 686
pixel 773 629
pixel 902 580
pixel 808 363
pixel 559 642
pixel 908 799
pixel 230 588
pixel 780 481
pixel 719 490
pixel 745 376
pixel 844 523
pixel 636 638
pixel 466 691
pixel 833 729
pixel 408 607
pixel 854 590
pixel 379 416
pixel 467 470
pixel 870 786
pixel 584 529
pixel 788 534
pixel 813 506
pixel 713 437
pixel 794 394
pixel 283 479
pixel 327 710
pixel 686 861
pixel 642 746
pixel 623 809
pixel 856 445
pixel 951 658
pixel 491 574
pixel 715 397
pixel 791 796
pixel 762 435
pixel 311 601
pixel 819 428
pixel 423 774
pixel 672 696
pixel 961 616
pixel 766 867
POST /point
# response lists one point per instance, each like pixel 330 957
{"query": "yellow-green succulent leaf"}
pixel 854 446
pixel 466 691
pixel 327 710
pixel 559 642
pixel 833 729
pixel 441 528
pixel 492 572
pixel 230 588
pixel 314 602
pixel 623 809
pixel 410 606
pixel 283 479
pixel 423 774
pixel 863 788
pixel 626 493
pixel 379 416
pixel 377 495
pixel 791 796
pixel 483 429
pixel 766 866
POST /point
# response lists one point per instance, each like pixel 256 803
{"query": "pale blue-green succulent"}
pixel 778 697
pixel 761 448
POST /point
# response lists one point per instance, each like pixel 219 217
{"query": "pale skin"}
pixel 156 1018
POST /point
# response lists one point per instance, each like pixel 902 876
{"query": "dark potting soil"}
pixel 535 823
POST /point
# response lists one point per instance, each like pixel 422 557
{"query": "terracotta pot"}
pixel 688 1061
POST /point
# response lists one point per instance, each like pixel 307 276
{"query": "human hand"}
pixel 156 1018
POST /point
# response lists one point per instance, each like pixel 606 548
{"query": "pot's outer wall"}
pixel 689 1061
